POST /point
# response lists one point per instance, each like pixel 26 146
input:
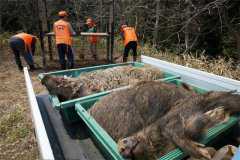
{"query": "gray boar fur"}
pixel 67 88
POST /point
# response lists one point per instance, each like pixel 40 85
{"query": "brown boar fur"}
pixel 182 126
pixel 124 112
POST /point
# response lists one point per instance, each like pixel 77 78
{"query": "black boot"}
pixel 95 57
pixel 20 68
pixel 125 59
pixel 32 68
pixel 134 58
pixel 63 66
pixel 70 65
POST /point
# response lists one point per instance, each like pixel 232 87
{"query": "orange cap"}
pixel 62 14
pixel 124 26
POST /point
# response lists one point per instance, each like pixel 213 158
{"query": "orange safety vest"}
pixel 129 35
pixel 93 39
pixel 27 38
pixel 62 32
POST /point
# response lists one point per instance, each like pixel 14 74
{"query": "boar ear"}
pixel 45 78
pixel 186 86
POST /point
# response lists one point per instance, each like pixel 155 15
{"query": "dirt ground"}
pixel 17 140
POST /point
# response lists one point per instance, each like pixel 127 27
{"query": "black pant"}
pixel 18 47
pixel 64 49
pixel 131 45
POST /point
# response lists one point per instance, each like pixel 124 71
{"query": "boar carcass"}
pixel 100 80
pixel 183 125
pixel 124 112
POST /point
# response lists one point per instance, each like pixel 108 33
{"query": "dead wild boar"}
pixel 65 87
pixel 124 112
pixel 183 125
pixel 100 80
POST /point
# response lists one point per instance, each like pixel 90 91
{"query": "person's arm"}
pixel 122 35
pixel 73 33
pixel 33 45
pixel 54 29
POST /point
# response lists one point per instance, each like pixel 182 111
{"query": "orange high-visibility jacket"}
pixel 27 38
pixel 93 39
pixel 129 35
pixel 62 32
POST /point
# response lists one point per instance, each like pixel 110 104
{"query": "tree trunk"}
pixel 235 33
pixel 0 22
pixel 1 8
pixel 156 29
pixel 48 28
pixel 101 15
pixel 188 12
pixel 76 4
pixel 40 29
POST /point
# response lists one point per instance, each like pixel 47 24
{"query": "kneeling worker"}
pixel 130 41
pixel 23 44
pixel 64 32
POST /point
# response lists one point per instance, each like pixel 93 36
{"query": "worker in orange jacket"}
pixel 92 39
pixel 63 33
pixel 23 44
pixel 130 41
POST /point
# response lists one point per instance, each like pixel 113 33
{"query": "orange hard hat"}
pixel 123 26
pixel 62 14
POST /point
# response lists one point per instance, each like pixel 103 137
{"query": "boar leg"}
pixel 192 148
pixel 217 115
pixel 183 132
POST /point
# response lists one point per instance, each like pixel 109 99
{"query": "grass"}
pixel 17 140
pixel 218 66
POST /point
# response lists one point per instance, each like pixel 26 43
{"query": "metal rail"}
pixel 207 81
pixel 45 149
pixel 84 34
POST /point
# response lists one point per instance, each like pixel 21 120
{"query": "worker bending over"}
pixel 92 39
pixel 23 44
pixel 130 42
pixel 64 32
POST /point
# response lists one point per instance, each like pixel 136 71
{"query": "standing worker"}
pixel 23 44
pixel 130 41
pixel 92 39
pixel 64 32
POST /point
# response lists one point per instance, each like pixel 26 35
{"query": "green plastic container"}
pixel 67 107
pixel 109 147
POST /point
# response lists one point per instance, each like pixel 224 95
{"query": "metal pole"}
pixel 108 43
pixel 48 27
pixel 41 35
pixel 112 31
